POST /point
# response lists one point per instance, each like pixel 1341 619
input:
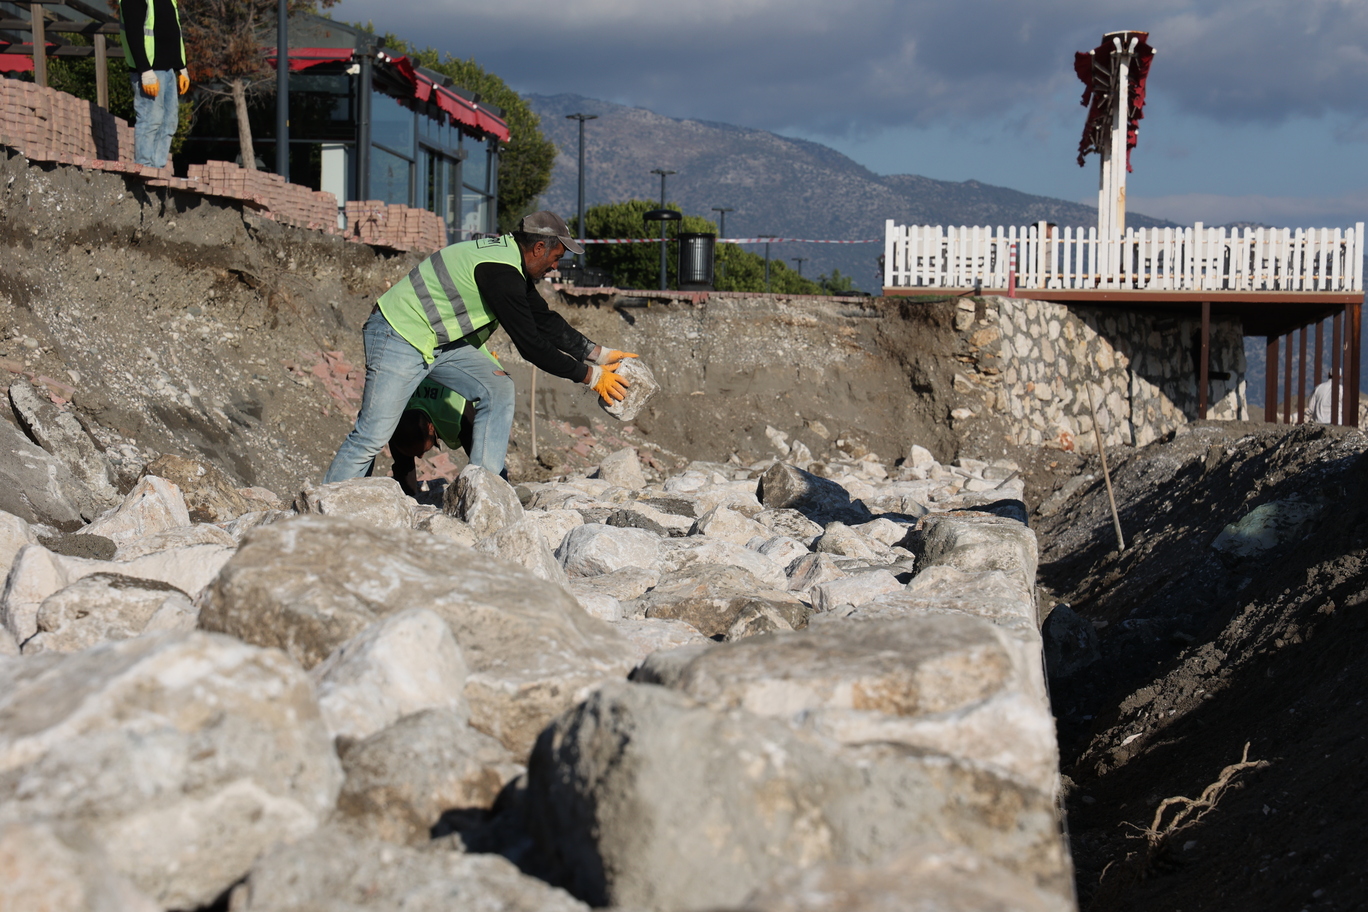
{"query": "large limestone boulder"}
pixel 14 535
pixel 523 543
pixel 198 534
pixel 641 797
pixel 210 495
pixel 308 585
pixel 821 500
pixel 711 598
pixel 728 525
pixel 812 570
pixel 37 486
pixel 182 756
pixel 154 505
pixel 107 606
pixel 623 469
pixel 554 524
pixel 38 573
pixel 641 515
pixel 60 433
pixel 650 635
pixel 595 548
pixel 948 683
pixel 696 551
pixel 335 871
pixel 375 502
pixel 975 542
pixel 853 590
pixel 792 524
pixel 39 872
pixel 402 779
pixel 930 877
pixel 402 664
pixel 483 500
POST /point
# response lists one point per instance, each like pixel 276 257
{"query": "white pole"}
pixel 1111 197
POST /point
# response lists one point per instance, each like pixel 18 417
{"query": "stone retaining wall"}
pixel 1029 361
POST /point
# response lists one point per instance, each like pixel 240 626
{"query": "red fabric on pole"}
pixel 303 58
pixel 1097 71
pixel 16 63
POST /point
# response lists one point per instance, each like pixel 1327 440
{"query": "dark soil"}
pixel 1202 653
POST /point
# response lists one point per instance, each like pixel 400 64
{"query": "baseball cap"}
pixel 548 223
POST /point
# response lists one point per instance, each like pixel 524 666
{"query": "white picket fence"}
pixel 1148 259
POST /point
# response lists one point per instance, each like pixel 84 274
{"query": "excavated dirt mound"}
pixel 1208 639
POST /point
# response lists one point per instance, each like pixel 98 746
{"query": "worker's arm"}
pixel 406 473
pixel 133 15
pixel 517 306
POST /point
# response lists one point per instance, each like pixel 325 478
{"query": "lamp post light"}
pixel 767 243
pixel 582 230
pixel 663 174
pixel 722 220
pixel 800 261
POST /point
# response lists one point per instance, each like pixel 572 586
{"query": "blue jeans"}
pixel 394 368
pixel 157 119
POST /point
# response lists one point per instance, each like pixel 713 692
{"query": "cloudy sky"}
pixel 1258 109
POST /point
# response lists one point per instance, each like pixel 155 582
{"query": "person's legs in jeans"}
pixel 475 376
pixel 168 99
pixel 394 368
pixel 147 124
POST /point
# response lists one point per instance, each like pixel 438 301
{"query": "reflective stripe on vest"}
pixel 438 302
pixel 149 31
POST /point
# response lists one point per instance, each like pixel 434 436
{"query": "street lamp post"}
pixel 722 220
pixel 663 174
pixel 800 261
pixel 283 90
pixel 767 243
pixel 582 230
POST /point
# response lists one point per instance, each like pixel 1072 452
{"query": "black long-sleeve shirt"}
pixel 540 334
pixel 167 55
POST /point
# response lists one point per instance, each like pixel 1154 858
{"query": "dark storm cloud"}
pixel 861 65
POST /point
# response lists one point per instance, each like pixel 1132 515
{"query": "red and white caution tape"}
pixel 761 240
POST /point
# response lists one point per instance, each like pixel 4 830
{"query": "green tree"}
pixel 525 161
pixel 638 265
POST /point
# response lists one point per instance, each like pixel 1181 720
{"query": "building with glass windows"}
pixel 366 125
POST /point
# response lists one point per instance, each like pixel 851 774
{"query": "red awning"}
pixel 458 108
pixel 303 58
pixel 16 63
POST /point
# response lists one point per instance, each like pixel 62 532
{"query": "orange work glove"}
pixel 611 356
pixel 605 382
pixel 150 85
pixel 183 82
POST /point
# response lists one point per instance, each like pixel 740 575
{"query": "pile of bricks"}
pixel 287 203
pixel 394 226
pixel 44 124
pixel 47 125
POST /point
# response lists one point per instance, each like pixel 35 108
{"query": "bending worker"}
pixel 433 323
pixel 434 413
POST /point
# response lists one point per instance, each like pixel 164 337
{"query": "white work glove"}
pixel 150 84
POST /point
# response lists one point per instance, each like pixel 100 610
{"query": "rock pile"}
pixel 747 688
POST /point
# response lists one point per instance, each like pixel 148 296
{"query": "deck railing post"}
pixel 1336 366
pixel 1011 271
pixel 1354 335
pixel 1204 369
pixel 1287 381
pixel 1271 379
pixel 101 72
pixel 1301 377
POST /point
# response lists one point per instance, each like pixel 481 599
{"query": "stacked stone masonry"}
pixel 46 125
pixel 1034 362
pixel 731 688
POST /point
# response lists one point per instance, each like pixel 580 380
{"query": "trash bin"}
pixel 696 253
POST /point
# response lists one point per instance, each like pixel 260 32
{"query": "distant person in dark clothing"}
pixel 155 54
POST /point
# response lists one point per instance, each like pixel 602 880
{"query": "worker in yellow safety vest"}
pixel 434 413
pixel 150 32
pixel 433 325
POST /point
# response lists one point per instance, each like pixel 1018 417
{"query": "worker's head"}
pixel 414 436
pixel 543 237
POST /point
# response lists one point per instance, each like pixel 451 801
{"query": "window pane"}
pixel 389 177
pixel 391 123
pixel 477 166
pixel 474 213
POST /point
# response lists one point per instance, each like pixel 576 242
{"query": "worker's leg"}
pixel 394 368
pixel 147 113
pixel 472 374
pixel 168 100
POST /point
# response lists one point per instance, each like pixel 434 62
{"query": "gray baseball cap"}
pixel 548 223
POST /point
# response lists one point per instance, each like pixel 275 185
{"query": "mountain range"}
pixel 776 185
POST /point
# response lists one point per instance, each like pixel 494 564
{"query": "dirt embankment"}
pixel 1207 639
pixel 177 323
